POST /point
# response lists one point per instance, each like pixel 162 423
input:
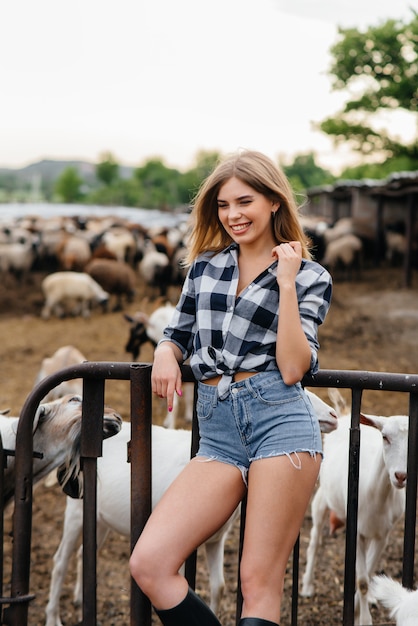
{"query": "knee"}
pixel 257 584
pixel 141 567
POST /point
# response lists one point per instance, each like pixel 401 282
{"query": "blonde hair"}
pixel 259 172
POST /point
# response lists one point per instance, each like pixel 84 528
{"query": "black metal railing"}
pixel 94 375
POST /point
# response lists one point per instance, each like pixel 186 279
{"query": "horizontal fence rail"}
pixel 94 375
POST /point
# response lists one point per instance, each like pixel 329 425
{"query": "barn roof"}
pixel 401 181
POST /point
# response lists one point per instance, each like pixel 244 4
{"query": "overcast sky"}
pixel 145 78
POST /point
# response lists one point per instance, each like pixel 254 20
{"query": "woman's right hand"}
pixel 166 375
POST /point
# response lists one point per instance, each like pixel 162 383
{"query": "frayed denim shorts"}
pixel 261 417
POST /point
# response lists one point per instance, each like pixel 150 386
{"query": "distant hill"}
pixel 49 170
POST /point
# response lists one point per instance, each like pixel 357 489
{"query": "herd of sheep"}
pixel 94 259
pixel 89 262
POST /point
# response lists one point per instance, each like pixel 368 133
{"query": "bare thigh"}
pixel 195 506
pixel 278 495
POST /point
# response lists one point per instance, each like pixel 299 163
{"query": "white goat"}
pixel 77 289
pixel 170 453
pixel 381 498
pixel 63 357
pixel 327 416
pixel 402 603
pixel 56 434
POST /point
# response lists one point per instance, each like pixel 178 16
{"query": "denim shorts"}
pixel 261 417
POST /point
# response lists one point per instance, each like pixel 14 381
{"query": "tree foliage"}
pixel 304 173
pixel 154 185
pixel 107 170
pixel 158 184
pixel 205 162
pixel 68 186
pixel 379 68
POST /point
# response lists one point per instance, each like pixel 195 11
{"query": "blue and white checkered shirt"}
pixel 223 333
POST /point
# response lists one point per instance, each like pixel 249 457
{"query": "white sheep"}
pixel 381 498
pixel 63 357
pixel 343 226
pixel 401 602
pixel 73 252
pixel 17 258
pixel 396 247
pixel 343 252
pixel 155 268
pixel 73 291
pixel 121 241
pixel 170 453
pixel 56 434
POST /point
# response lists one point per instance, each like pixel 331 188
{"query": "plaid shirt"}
pixel 223 333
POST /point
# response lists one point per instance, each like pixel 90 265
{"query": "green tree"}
pixel 68 186
pixel 205 162
pixel 158 185
pixel 378 170
pixel 121 193
pixel 107 170
pixel 379 67
pixel 304 173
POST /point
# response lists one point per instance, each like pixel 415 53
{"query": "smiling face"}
pixel 245 213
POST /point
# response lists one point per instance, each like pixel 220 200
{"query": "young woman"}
pixel 247 317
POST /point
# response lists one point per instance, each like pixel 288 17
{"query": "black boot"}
pixel 192 611
pixel 255 621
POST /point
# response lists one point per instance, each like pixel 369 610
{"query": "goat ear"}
pixel 338 402
pixel 128 318
pixel 40 411
pixel 364 419
pixel 71 485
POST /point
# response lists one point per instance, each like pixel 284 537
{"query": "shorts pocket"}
pixel 278 394
pixel 204 409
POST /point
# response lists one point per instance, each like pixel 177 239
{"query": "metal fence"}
pixel 94 374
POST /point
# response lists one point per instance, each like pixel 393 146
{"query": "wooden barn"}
pixel 376 207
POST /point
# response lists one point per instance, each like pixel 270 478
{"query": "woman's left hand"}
pixel 289 256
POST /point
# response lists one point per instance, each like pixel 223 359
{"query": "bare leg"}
pixel 278 495
pixel 198 502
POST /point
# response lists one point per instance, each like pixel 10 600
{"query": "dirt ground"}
pixel 372 326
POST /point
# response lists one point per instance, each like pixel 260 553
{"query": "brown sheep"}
pixel 116 277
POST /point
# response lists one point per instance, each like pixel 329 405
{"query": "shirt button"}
pixel 234 390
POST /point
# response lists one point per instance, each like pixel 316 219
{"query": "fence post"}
pixel 91 447
pixel 140 457
pixel 411 494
